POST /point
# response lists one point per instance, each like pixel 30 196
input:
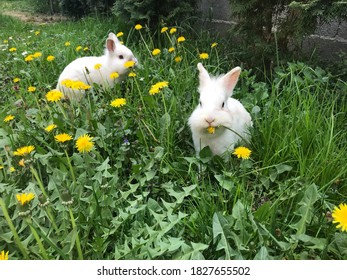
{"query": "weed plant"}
pixel 140 192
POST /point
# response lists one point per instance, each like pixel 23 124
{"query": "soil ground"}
pixel 36 19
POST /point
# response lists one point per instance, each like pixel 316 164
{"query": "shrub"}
pixel 79 8
pixel 48 6
pixel 152 11
pixel 73 8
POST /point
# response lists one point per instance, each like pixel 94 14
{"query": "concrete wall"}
pixel 328 40
pixel 216 15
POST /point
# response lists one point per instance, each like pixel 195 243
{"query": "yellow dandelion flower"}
pixel 138 27
pixel 78 48
pixel 132 74
pixel 172 49
pixel 50 58
pixel 162 84
pixel 77 85
pixel 156 88
pixel 50 127
pixel 203 56
pixel 24 198
pixel 67 83
pixel 31 89
pixel 164 29
pixel 178 59
pixel 54 95
pixel 12 49
pixel 173 30
pixel 12 169
pixel 5 41
pixel 118 102
pixel 155 52
pixel 213 45
pixel 63 137
pixel 23 151
pixel 85 87
pixel 242 152
pixel 114 75
pixel 97 66
pixel 86 49
pixel 119 34
pixel 29 58
pixel 1 167
pixel 211 129
pixel 67 44
pixel 8 118
pixel 129 64
pixel 339 215
pixel 37 54
pixel 37 33
pixel 22 162
pixel 3 256
pixel 84 143
pixel 16 80
pixel 180 39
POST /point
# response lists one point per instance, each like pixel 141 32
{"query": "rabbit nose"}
pixel 209 120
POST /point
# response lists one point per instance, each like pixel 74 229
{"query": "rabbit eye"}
pixel 223 104
pixel 200 103
pixel 121 57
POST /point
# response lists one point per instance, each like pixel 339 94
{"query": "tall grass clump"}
pixel 115 176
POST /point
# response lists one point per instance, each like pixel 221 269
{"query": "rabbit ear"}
pixel 230 79
pixel 113 36
pixel 204 77
pixel 111 42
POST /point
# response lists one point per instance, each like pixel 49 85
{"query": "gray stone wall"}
pixel 328 40
pixel 216 15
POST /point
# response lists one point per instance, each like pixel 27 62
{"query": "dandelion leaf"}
pixel 179 195
pixel 192 252
pixel 338 245
pixel 225 182
pixel 281 168
pixel 311 242
pixel 4 139
pixel 305 211
pixel 263 254
pixel 221 233
pixel 205 154
pixel 263 213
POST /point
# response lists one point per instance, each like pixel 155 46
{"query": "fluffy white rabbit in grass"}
pixel 97 69
pixel 219 121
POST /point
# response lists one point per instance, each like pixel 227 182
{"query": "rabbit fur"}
pixel 226 116
pixel 83 69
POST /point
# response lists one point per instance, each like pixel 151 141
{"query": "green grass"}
pixel 141 193
pixel 16 6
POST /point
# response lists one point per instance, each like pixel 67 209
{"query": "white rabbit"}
pixel 97 69
pixel 219 121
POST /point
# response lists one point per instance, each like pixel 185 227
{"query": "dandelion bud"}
pixel 43 201
pixel 24 210
pixel 67 198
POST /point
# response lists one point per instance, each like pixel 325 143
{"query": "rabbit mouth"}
pixel 211 130
pixel 214 129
